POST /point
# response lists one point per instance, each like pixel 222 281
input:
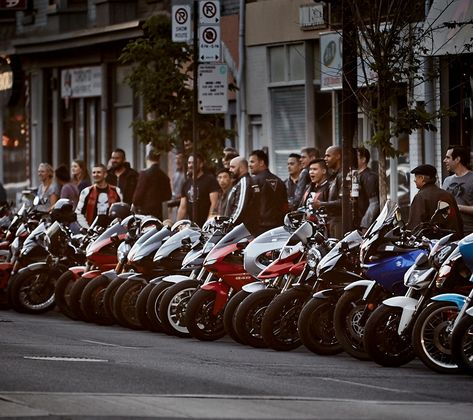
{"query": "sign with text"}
pixel 213 88
pixel 81 82
pixel 13 4
pixel 330 61
pixel 181 23
pixel 209 12
pixel 209 43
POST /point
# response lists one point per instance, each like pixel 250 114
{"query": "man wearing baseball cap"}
pixel 425 202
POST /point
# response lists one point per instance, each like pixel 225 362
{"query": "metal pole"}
pixel 195 113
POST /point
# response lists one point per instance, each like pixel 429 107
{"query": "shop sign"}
pixel 81 82
pixel 6 83
pixel 13 4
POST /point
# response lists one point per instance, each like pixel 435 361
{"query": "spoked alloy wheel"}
pixel 462 344
pixel 315 327
pixel 33 291
pixel 249 316
pixel 382 341
pixel 349 319
pixel 172 309
pixel 124 303
pixel 201 322
pixel 279 324
pixel 431 336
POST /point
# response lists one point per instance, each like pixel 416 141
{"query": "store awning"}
pixel 442 39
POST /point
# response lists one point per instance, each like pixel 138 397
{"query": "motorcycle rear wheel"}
pixel 249 315
pixel 347 320
pixel 315 326
pixel 124 303
pixel 382 341
pixel 92 301
pixel 229 315
pixel 62 292
pixel 33 291
pixel 431 337
pixel 279 323
pixel 200 320
pixel 462 344
pixel 172 308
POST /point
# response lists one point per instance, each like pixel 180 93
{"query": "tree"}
pixel 391 43
pixel 161 77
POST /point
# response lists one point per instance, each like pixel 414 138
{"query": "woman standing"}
pixel 80 174
pixel 68 188
pixel 48 191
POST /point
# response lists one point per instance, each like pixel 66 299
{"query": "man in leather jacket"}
pixel 239 198
pixel 269 194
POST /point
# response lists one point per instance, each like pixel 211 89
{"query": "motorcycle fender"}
pixel 408 306
pixel 137 277
pixel 176 278
pixel 33 267
pixel 110 274
pixel 455 298
pixel 91 274
pixel 126 275
pixel 324 294
pixel 360 283
pixel 253 287
pixel 157 280
pixel 221 290
pixel 77 271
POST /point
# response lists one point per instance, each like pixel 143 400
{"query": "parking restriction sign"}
pixel 181 23
pixel 209 12
pixel 209 43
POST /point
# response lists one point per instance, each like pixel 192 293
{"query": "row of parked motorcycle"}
pixel 388 295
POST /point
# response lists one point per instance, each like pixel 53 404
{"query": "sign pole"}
pixel 195 112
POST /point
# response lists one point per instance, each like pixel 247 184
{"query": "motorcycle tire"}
pixel 200 320
pixel 229 315
pixel 382 341
pixel 62 293
pixel 172 308
pixel 347 320
pixel 75 299
pixel 431 337
pixel 141 312
pixel 33 291
pixel 92 301
pixel 279 323
pixel 249 315
pixel 152 307
pixel 315 326
pixel 462 344
pixel 109 296
pixel 124 304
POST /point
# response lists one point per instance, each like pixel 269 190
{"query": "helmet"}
pixel 63 211
pixel 119 210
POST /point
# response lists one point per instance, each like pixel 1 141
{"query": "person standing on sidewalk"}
pixel 122 175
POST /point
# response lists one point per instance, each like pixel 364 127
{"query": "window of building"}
pixel 287 63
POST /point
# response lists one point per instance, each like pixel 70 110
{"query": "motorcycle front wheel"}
pixel 382 341
pixel 172 308
pixel 315 326
pixel 201 322
pixel 349 319
pixel 462 344
pixel 249 316
pixel 431 337
pixel 229 314
pixel 76 298
pixel 92 301
pixel 152 307
pixel 124 303
pixel 109 296
pixel 33 291
pixel 279 323
pixel 62 293
pixel 141 311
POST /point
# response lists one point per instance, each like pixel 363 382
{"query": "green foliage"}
pixel 161 77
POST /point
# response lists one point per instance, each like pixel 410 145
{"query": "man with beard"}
pixel 318 188
pixel 238 205
pixel 122 175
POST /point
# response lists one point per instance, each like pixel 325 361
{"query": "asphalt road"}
pixel 52 367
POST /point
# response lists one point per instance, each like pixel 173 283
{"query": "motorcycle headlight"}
pixel 313 258
pixel 444 272
pixel 418 279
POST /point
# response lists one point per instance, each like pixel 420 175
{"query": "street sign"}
pixel 209 43
pixel 181 23
pixel 209 12
pixel 213 88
